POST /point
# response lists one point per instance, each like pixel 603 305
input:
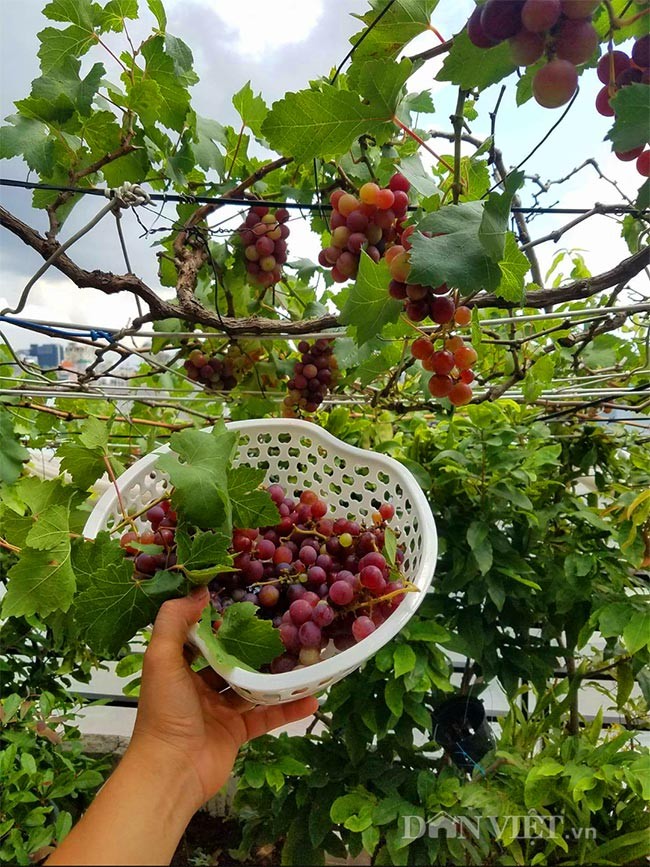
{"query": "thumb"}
pixel 175 618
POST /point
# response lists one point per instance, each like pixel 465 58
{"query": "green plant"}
pixel 47 779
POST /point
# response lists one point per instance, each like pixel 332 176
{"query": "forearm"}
pixel 137 818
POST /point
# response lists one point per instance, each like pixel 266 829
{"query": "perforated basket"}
pixel 354 482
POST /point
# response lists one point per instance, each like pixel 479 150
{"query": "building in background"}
pixel 46 355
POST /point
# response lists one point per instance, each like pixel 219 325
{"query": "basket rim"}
pixel 344 661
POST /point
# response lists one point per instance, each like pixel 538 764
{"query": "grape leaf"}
pixel 206 152
pixel 538 377
pixel 30 140
pixel 182 58
pixel 110 611
pixel 322 123
pixel 380 83
pixel 158 11
pixel 514 266
pixel 252 109
pixel 51 529
pixel 40 582
pixel 250 506
pixel 164 585
pixel 12 454
pixel 57 45
pixel 456 257
pixel 202 549
pixel 84 465
pixel 37 494
pixel 243 639
pixel 496 214
pixel 84 13
pixel 174 103
pixel 403 21
pixel 200 481
pixel 643 196
pixel 476 68
pixel 94 434
pixel 419 177
pixel 369 306
pixel 631 128
pixel 390 546
pixel 92 557
pixel 116 11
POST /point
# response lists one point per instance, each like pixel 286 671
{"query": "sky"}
pixel 280 47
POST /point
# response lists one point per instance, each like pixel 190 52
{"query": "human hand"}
pixel 183 720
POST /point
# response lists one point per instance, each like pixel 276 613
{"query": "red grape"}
pixel 555 83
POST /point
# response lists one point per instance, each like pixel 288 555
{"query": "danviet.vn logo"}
pixel 529 826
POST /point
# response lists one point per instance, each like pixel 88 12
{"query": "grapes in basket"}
pixel 315 584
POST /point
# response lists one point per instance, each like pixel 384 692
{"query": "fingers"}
pixel 173 621
pixel 262 719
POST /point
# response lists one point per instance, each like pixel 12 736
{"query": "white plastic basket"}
pixel 354 482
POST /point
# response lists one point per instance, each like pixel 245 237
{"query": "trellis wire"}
pixel 307 206
pixel 501 320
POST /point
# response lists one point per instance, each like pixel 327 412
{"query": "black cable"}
pixel 308 206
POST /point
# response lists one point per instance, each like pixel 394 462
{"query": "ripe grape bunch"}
pixel 313 376
pixel 219 371
pixel 162 520
pixel 560 30
pixel 321 581
pixel 318 579
pixel 616 70
pixel 371 221
pixel 263 235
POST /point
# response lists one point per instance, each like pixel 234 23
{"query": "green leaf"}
pixel 404 659
pixel 394 697
pixel 51 529
pixel 112 609
pixel 252 109
pixel 369 306
pixel 625 849
pixel 538 377
pixel 631 128
pixel 200 480
pixel 637 632
pixel 84 465
pixel 380 83
pixel 514 266
pixel 158 11
pixel 643 196
pixel 250 506
pixel 457 257
pixel 496 215
pixel 321 123
pixel 40 582
pixel 477 538
pixel 242 640
pixel 30 140
pixel 57 46
pixel 174 102
pixel 94 434
pixel 164 585
pixel 390 546
pixel 403 21
pixel 208 155
pixel 12 454
pixel 419 177
pixel 91 557
pixel 203 549
pixel 476 68
pixel 85 13
pixel 116 11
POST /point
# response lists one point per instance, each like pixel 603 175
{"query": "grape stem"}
pixel 130 519
pixel 407 588
pixel 13 548
pixel 421 142
pixel 111 475
pixel 303 532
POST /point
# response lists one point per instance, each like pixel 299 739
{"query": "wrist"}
pixel 168 770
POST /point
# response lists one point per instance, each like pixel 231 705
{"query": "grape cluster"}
pixel 263 235
pixel 162 520
pixel 318 579
pixel 560 30
pixel 220 371
pixel 312 378
pixel 616 70
pixel 371 221
pixel 451 366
